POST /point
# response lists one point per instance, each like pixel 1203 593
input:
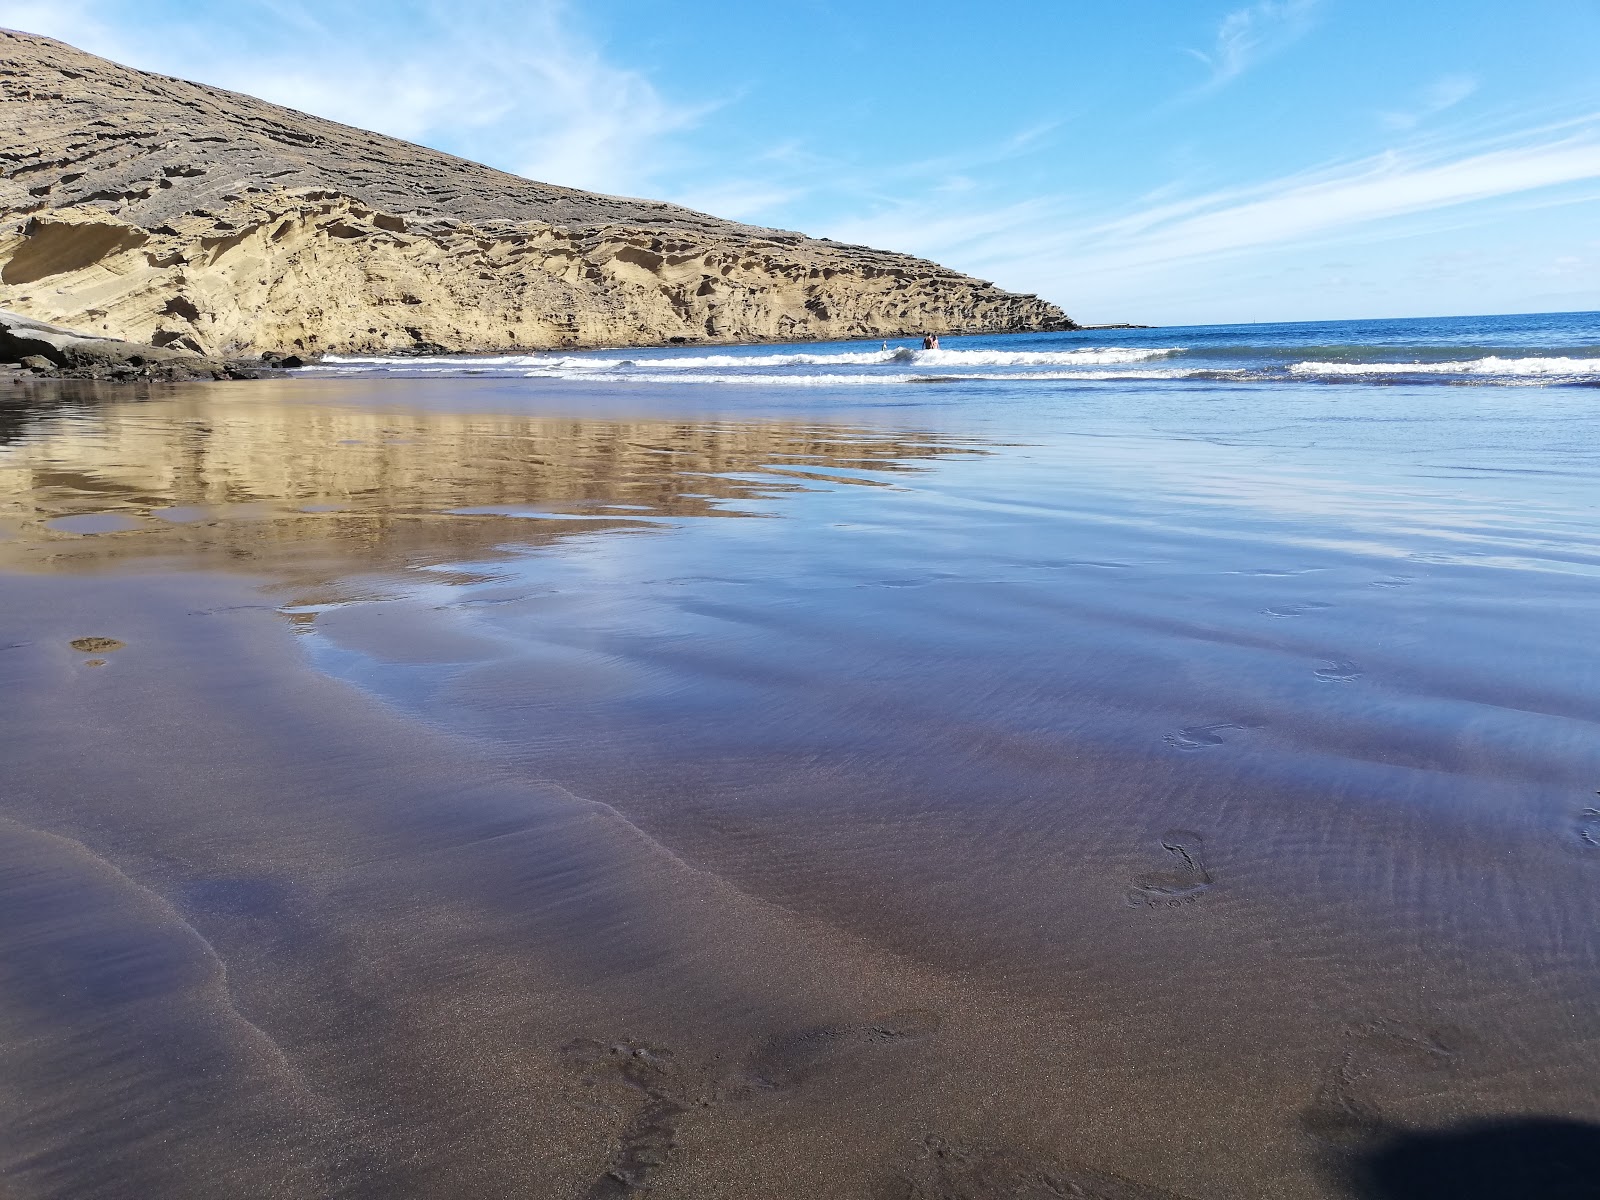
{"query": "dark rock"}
pixel 68 348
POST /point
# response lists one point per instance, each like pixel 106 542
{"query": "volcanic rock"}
pixel 44 348
pixel 165 212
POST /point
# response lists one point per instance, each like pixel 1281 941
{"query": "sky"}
pixel 1153 161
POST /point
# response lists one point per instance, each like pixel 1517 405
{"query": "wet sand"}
pixel 421 789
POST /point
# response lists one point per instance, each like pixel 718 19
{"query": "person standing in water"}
pixel 930 341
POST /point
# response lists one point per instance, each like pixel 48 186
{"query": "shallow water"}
pixel 521 786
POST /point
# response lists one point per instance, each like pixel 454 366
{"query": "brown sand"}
pixel 937 881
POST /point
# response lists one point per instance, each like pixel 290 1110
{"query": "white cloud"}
pixel 515 84
pixel 1047 244
pixel 738 200
pixel 792 184
pixel 1248 35
pixel 1386 186
pixel 75 21
pixel 1438 96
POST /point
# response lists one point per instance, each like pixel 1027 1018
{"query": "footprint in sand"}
pixel 1376 1057
pixel 1199 737
pixel 647 1143
pixel 1588 829
pixel 948 1170
pixel 1295 610
pixel 1338 670
pixel 789 1060
pixel 1184 880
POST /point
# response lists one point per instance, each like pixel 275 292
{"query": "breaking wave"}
pixel 594 363
pixel 1550 350
pixel 1094 356
pixel 1477 366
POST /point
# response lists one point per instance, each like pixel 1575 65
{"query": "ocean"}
pixel 1157 764
pixel 1537 350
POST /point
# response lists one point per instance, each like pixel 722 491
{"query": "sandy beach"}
pixel 462 795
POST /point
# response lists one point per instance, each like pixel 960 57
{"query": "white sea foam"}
pixel 586 364
pixel 702 361
pixel 854 378
pixel 1476 366
pixel 1092 356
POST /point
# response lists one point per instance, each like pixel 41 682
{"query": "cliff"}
pixel 160 211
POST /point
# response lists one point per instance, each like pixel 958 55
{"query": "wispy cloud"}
pixel 739 200
pixel 1248 35
pixel 77 21
pixel 1300 208
pixel 1050 244
pixel 790 177
pixel 1442 94
pixel 512 82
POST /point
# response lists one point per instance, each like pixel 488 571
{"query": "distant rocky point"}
pixel 159 211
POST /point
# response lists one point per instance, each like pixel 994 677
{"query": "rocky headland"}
pixel 192 219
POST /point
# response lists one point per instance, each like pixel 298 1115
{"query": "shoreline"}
pixel 41 350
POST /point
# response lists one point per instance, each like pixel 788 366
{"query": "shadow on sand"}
pixel 1540 1158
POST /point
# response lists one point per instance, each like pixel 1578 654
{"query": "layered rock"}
pixel 162 211
pixel 42 348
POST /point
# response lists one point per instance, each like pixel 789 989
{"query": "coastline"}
pixel 35 349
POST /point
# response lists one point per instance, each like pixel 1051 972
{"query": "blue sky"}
pixel 1164 161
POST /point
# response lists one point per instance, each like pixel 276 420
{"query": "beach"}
pixel 1124 764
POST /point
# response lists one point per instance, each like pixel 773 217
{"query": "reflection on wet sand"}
pixel 223 481
pixel 989 832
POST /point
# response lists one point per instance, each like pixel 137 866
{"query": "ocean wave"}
pixel 1476 366
pixel 854 379
pixel 586 364
pixel 702 361
pixel 1081 376
pixel 1091 356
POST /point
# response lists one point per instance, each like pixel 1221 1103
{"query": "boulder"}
pixel 25 337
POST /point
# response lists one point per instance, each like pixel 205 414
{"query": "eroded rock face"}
pixel 161 211
pixel 44 348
